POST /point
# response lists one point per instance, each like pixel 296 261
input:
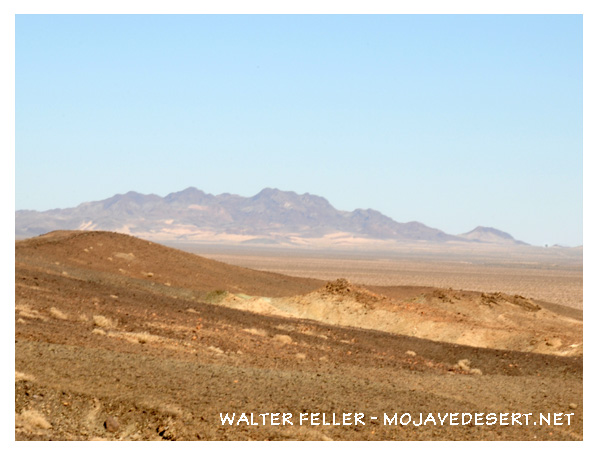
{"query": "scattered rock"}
pixel 125 256
pixel 112 424
pixel 411 353
pixel 342 288
pixel 573 405
pixel 166 432
pixel 490 299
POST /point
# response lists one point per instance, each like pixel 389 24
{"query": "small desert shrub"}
pixel 27 312
pixel 56 313
pixel 256 332
pixel 170 409
pixel 216 350
pixel 282 338
pixel 464 365
pixel 20 376
pixel 103 322
pixel 144 337
pixel 135 337
pixel 31 420
pixel 215 296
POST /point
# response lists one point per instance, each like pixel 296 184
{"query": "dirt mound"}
pixel 343 289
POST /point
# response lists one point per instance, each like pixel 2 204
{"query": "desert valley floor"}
pixel 119 338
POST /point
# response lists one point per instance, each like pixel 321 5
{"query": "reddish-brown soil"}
pixel 122 339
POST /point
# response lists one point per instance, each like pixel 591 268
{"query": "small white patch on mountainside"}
pixel 490 235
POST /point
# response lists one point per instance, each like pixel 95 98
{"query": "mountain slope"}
pixel 271 216
pixel 490 235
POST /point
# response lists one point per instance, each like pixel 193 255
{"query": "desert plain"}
pixel 121 338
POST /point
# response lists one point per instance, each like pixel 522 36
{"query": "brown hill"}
pixel 135 258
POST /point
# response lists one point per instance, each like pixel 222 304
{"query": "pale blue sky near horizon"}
pixel 453 121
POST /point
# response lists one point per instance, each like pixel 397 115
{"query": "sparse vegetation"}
pixel 144 337
pixel 20 376
pixel 57 313
pixel 464 365
pixel 26 311
pixel 137 337
pixel 32 421
pixel 104 322
pixel 216 296
pixel 282 338
pixel 257 332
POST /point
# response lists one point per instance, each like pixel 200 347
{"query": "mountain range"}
pixel 270 217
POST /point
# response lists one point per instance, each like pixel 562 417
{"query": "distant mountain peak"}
pixel 267 191
pixel 488 229
pixel 272 193
pixel 490 235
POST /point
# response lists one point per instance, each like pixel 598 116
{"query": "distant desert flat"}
pixel 553 275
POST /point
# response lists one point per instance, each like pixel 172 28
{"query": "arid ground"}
pixel 118 338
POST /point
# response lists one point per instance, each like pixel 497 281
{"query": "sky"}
pixel 454 121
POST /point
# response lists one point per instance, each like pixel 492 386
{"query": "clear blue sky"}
pixel 453 121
